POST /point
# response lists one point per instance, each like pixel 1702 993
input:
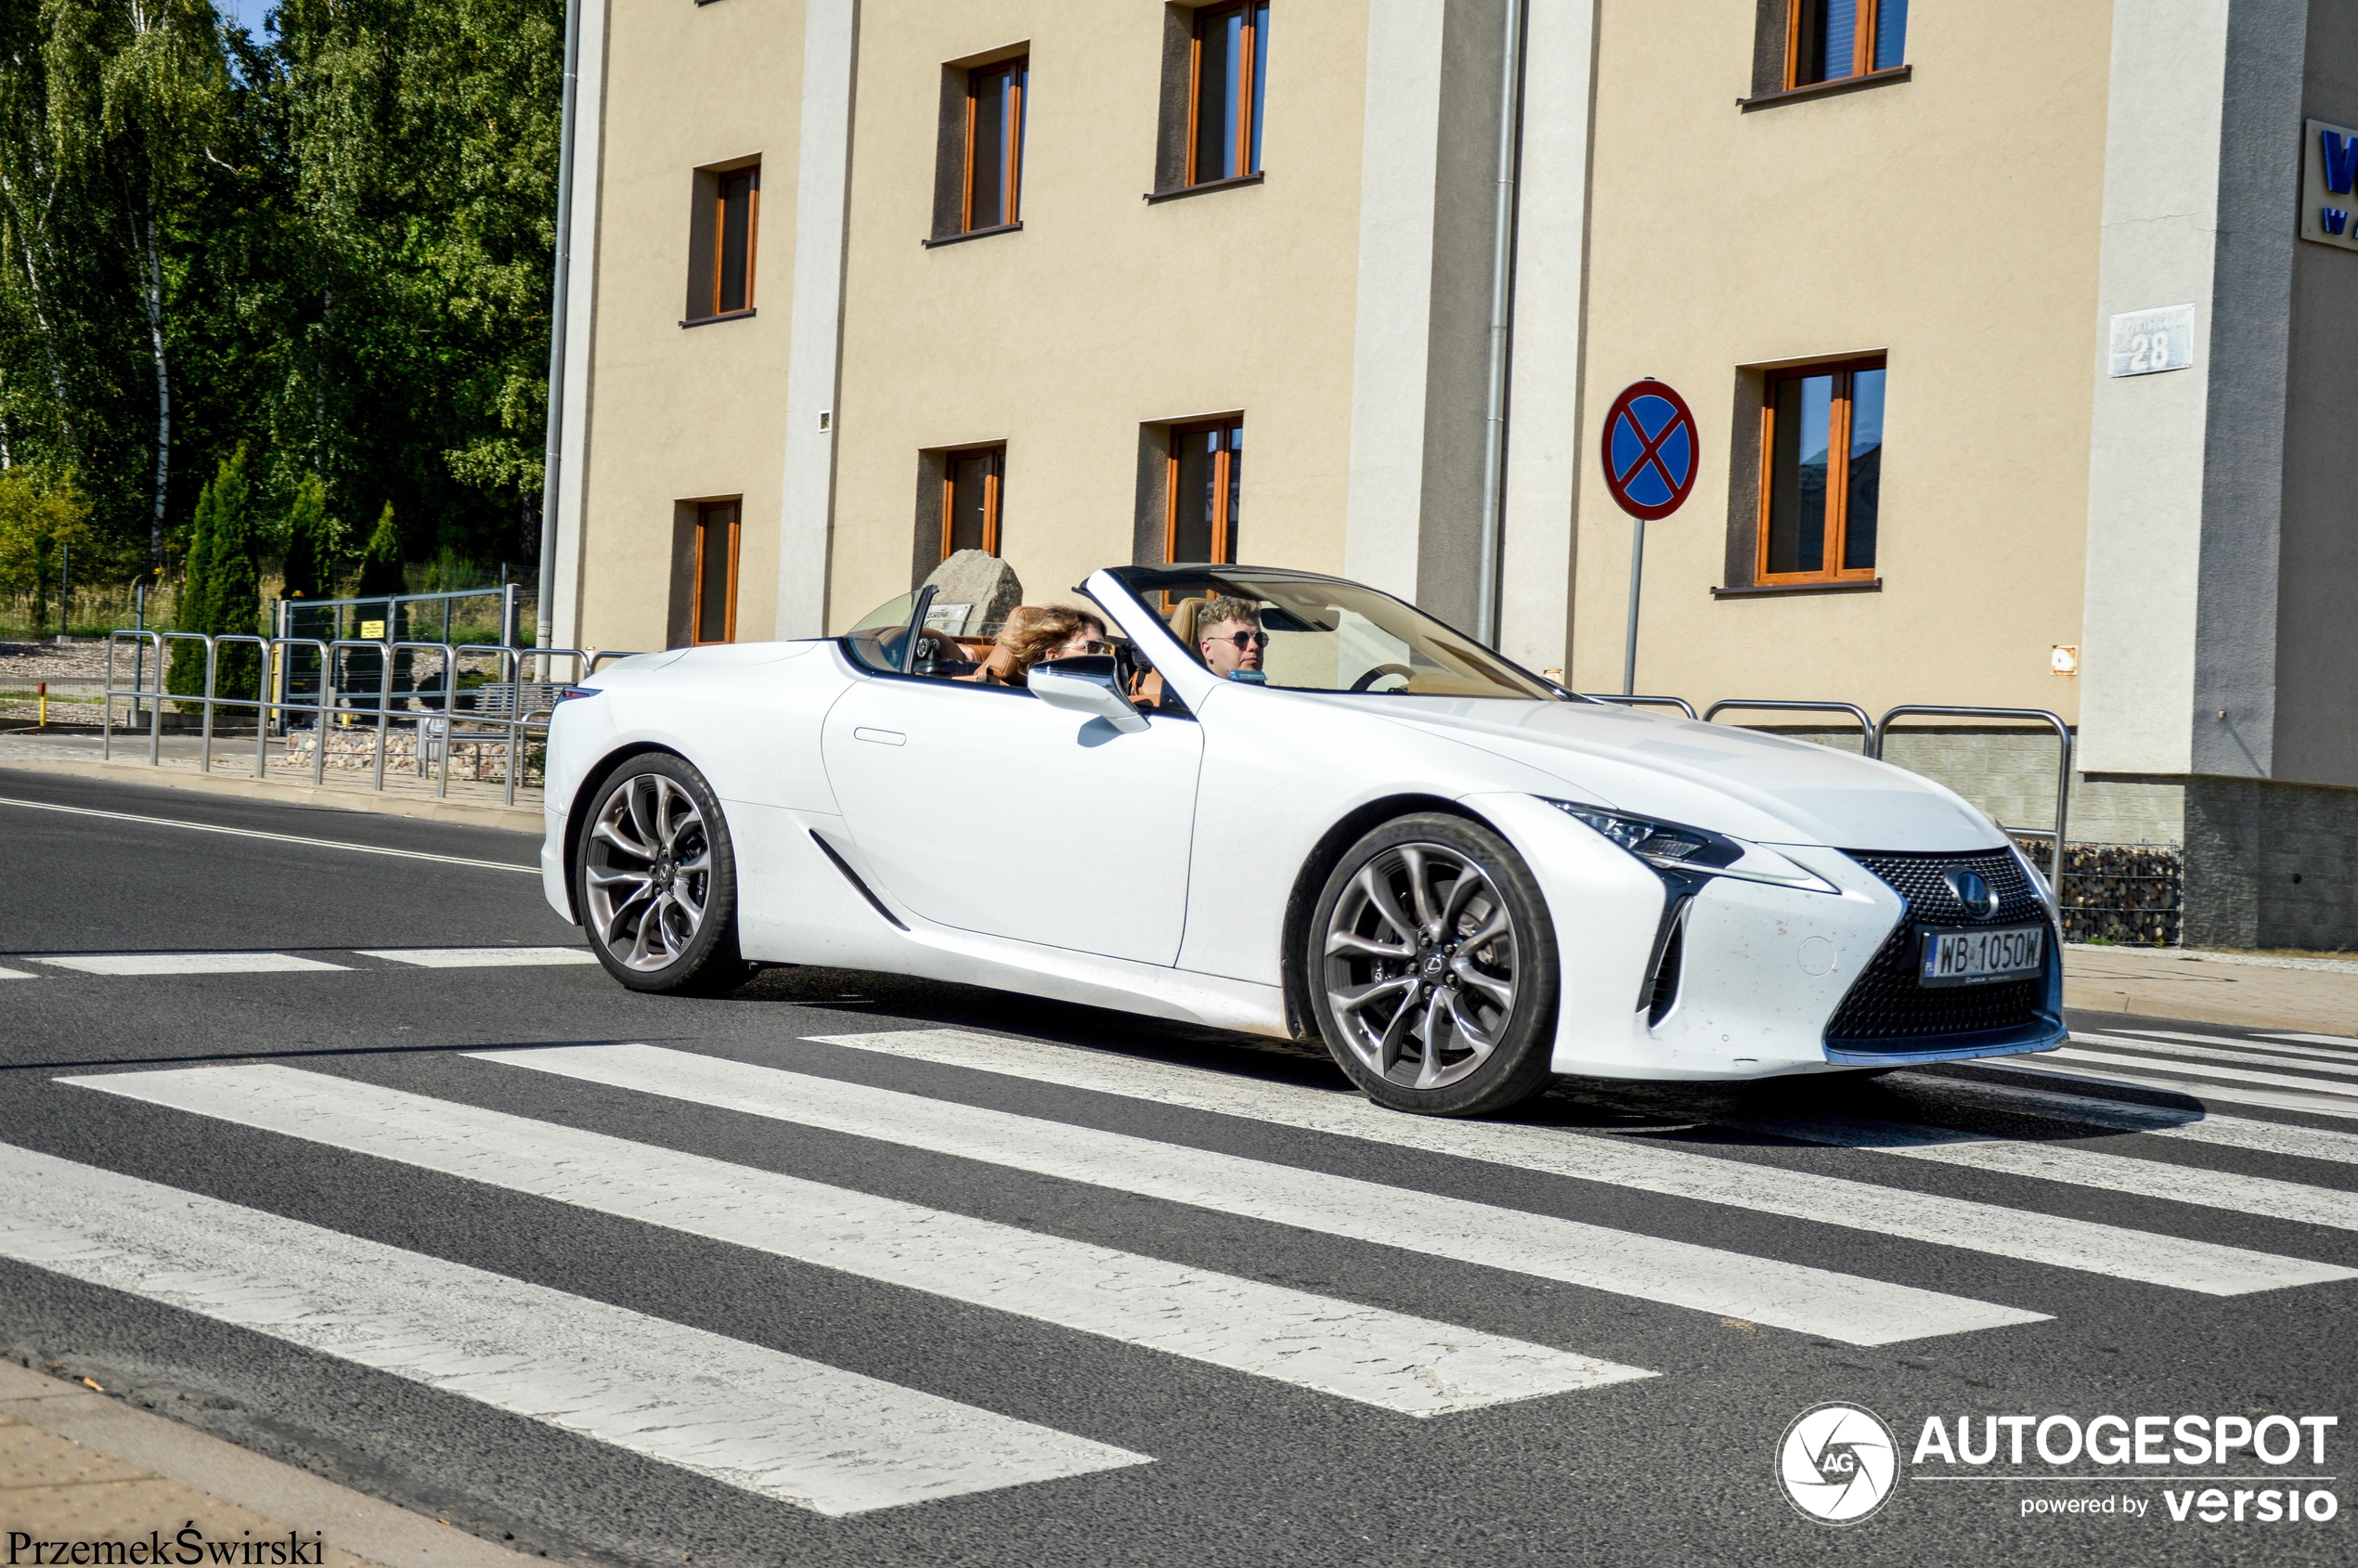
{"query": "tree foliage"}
pixel 329 246
pixel 40 519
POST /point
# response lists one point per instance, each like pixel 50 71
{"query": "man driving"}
pixel 1229 637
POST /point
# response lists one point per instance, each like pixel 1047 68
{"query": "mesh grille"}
pixel 1887 1010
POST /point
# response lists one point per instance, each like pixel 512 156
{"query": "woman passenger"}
pixel 1033 635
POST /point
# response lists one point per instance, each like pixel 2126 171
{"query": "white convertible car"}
pixel 1461 877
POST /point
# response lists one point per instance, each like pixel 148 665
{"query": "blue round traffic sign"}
pixel 1649 449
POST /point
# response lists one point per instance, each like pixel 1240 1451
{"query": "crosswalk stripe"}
pixel 479 957
pixel 2080 1167
pixel 2227 1132
pixel 781 1426
pixel 2202 1093
pixel 1782 1295
pixel 1410 1365
pixel 2315 1039
pixel 2055 1240
pixel 2175 1067
pixel 190 963
pixel 2145 1037
pixel 2249 1057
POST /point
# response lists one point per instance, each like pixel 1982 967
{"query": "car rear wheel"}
pixel 1433 966
pixel 656 880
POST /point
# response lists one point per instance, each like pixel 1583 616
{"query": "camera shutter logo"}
pixel 1838 1463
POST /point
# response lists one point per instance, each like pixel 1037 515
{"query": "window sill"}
pixel 1177 191
pixel 724 316
pixel 973 234
pixel 1828 89
pixel 1775 590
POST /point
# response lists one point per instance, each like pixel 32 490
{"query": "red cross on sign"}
pixel 1650 450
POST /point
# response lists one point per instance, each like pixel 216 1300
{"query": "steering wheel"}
pixel 1379 672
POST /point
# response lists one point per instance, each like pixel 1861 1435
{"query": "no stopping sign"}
pixel 1649 449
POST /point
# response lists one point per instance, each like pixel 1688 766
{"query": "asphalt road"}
pixel 2177 1237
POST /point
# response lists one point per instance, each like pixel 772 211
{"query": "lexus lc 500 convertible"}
pixel 1460 876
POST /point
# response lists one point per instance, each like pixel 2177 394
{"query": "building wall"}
pixel 1105 312
pixel 1951 220
pixel 676 413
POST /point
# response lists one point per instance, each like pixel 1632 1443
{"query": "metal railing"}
pixel 1622 699
pixel 2026 715
pixel 438 729
pixel 1866 725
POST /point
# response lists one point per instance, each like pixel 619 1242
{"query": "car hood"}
pixel 1758 787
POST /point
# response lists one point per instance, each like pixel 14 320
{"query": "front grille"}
pixel 1887 1010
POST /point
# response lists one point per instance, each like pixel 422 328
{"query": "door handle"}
pixel 881 737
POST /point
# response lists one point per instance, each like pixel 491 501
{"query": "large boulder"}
pixel 973 592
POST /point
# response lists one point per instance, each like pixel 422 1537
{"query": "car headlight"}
pixel 1677 850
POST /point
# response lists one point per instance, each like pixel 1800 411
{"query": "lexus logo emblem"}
pixel 1977 896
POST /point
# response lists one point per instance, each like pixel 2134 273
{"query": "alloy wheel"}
pixel 1420 965
pixel 648 871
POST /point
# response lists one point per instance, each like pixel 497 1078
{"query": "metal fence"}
pixel 505 711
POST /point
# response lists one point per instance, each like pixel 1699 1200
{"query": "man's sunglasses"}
pixel 1243 639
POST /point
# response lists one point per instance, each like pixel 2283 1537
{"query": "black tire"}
pixel 654 877
pixel 1456 988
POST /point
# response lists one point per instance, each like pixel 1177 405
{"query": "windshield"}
pixel 1321 634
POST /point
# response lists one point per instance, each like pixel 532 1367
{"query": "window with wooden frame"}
pixel 992 186
pixel 712 616
pixel 973 488
pixel 722 243
pixel 1204 486
pixel 1821 473
pixel 1227 74
pixel 1830 40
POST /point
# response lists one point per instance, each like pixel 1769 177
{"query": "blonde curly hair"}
pixel 1031 634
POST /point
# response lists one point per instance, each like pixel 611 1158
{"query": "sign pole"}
pixel 1650 453
pixel 1636 575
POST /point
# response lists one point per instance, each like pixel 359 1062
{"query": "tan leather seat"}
pixel 1183 617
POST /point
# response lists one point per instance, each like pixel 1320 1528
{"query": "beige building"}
pixel 2017 337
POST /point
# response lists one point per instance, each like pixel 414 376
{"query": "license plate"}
pixel 2008 952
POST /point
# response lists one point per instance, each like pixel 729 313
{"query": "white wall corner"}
pixel 822 214
pixel 562 614
pixel 2146 437
pixel 1400 149
pixel 1543 441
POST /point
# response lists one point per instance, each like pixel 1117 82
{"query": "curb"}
pixel 518 818
pixel 363 1525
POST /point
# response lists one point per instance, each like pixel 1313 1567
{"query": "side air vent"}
pixel 1665 994
pixel 853 878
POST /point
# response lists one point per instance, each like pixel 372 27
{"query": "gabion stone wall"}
pixel 2128 894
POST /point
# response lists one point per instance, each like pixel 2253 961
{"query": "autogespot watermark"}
pixel 1839 1464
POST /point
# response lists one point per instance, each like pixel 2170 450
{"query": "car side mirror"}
pixel 1088 684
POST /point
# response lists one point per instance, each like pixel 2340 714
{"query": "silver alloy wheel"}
pixel 648 871
pixel 1420 965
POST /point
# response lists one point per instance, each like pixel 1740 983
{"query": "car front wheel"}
pixel 656 880
pixel 1434 968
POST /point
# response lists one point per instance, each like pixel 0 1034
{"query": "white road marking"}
pixel 2145 1037
pixel 276 837
pixel 1410 1365
pixel 191 963
pixel 479 957
pixel 2080 1167
pixel 2249 1057
pixel 2227 1132
pixel 2174 1067
pixel 17 975
pixel 2055 1240
pixel 1757 1289
pixel 2202 1093
pixel 796 1430
pixel 2314 1039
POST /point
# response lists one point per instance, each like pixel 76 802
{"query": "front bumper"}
pixel 1762 968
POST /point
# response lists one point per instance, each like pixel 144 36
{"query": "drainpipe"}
pixel 1502 281
pixel 552 458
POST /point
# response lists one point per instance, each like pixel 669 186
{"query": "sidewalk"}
pixel 478 804
pixel 2218 988
pixel 78 1466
